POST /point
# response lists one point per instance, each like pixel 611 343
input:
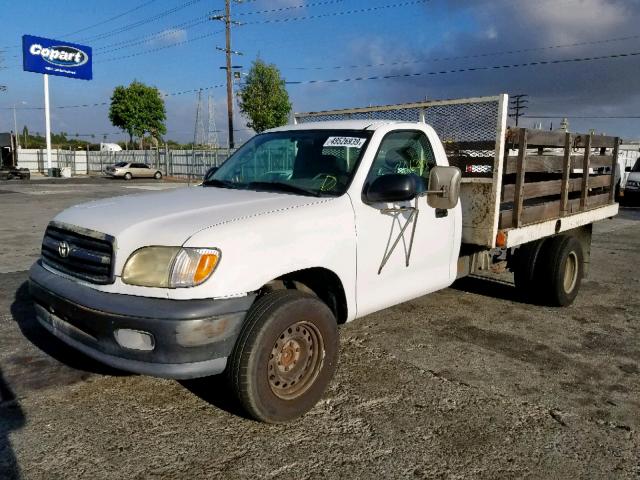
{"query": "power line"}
pixel 478 55
pixel 337 14
pixel 405 75
pixel 293 7
pixel 164 47
pixel 194 23
pixel 115 17
pixel 101 104
pixel 469 69
pixel 110 19
pixel 143 21
pixel 153 36
pixel 198 22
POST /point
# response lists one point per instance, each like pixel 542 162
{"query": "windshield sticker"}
pixel 354 142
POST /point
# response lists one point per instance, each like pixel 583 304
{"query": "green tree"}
pixel 138 109
pixel 264 98
pixel 25 136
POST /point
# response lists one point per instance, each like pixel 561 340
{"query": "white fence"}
pixel 177 163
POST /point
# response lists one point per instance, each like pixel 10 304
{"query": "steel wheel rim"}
pixel 570 272
pixel 295 360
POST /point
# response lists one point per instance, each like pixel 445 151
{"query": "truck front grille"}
pixel 78 252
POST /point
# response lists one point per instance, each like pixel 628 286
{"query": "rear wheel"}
pixel 561 270
pixel 128 176
pixel 157 175
pixel 285 356
pixel 524 271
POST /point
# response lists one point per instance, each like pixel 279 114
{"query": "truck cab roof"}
pixel 340 125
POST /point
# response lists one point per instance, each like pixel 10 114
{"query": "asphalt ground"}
pixel 465 383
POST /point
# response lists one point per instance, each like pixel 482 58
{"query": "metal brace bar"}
pixel 413 219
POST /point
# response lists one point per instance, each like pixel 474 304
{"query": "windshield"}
pixel 121 164
pixel 309 162
pixel 636 167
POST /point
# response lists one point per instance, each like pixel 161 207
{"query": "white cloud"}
pixel 286 3
pixel 169 37
pixel 491 33
pixel 569 20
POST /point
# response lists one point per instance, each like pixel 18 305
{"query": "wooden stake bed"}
pixel 555 181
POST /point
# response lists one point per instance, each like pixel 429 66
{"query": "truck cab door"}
pixel 424 257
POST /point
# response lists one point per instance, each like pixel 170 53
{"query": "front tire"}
pixel 128 176
pixel 561 270
pixel 285 356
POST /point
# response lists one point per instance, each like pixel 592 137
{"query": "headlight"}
pixel 170 267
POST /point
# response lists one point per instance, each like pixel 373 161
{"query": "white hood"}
pixel 170 217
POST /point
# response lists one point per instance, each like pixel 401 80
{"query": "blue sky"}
pixel 404 38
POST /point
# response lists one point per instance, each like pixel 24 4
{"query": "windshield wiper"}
pixel 283 187
pixel 214 182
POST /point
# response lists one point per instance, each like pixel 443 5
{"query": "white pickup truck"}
pixel 312 225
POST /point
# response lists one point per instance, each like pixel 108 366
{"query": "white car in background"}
pixel 631 191
pixel 128 170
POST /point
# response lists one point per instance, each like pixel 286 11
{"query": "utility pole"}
pixel 15 127
pixel 518 103
pixel 3 88
pixel 227 34
pixel 226 18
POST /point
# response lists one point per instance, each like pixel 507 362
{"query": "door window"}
pixel 405 153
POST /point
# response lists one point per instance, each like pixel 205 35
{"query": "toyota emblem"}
pixel 63 249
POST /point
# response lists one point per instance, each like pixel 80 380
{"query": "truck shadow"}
pixel 41 372
pixel 24 315
pixel 488 287
pixel 215 391
pixel 11 418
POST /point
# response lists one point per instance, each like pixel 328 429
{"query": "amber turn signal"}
pixel 206 266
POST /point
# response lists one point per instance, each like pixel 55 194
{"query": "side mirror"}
pixel 392 188
pixel 444 187
pixel 627 169
pixel 210 172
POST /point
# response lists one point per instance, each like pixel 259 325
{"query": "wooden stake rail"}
pixel 540 182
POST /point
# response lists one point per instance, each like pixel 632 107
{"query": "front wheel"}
pixel 285 356
pixel 128 176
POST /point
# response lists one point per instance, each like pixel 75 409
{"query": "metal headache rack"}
pixel 472 132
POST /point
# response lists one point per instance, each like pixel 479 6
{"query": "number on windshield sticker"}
pixel 354 142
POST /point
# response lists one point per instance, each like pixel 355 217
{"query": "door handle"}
pixel 442 212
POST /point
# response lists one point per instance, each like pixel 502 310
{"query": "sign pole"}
pixel 47 121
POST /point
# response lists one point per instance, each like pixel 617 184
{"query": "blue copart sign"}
pixel 55 57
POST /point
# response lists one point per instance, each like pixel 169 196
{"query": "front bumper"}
pixel 192 338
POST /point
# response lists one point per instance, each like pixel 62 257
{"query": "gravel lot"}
pixel 464 383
